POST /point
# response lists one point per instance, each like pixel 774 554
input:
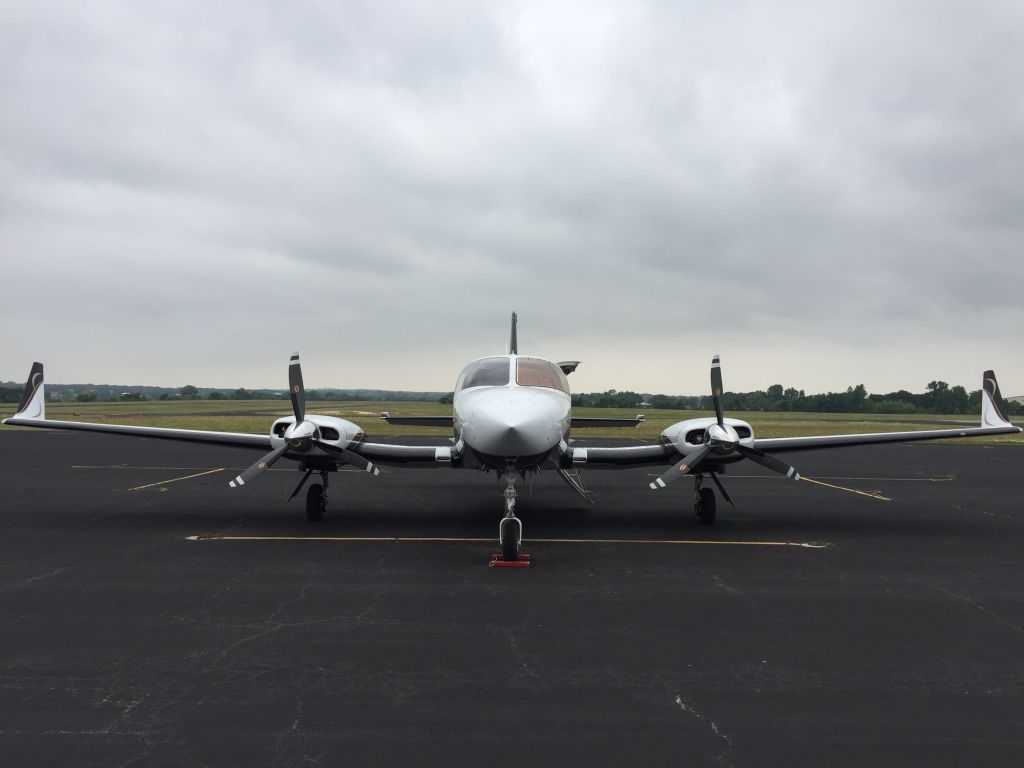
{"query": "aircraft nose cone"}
pixel 512 429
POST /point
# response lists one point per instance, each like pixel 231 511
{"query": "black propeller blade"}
pixel 256 469
pixel 350 458
pixel 716 389
pixel 681 469
pixel 297 391
pixel 767 460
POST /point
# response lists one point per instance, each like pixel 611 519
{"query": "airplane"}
pixel 511 414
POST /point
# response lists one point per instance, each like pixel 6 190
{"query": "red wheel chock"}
pixel 522 561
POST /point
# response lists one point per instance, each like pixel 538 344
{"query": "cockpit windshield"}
pixel 489 372
pixel 534 372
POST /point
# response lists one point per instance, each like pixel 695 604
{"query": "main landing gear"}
pixel 704 501
pixel 316 495
pixel 510 530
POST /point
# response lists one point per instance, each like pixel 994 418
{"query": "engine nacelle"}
pixel 687 436
pixel 333 430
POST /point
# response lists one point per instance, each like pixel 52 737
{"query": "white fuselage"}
pixel 512 409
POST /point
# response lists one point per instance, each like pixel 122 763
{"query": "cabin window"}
pixel 489 372
pixel 534 372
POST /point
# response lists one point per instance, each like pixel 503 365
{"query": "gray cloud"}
pixel 826 194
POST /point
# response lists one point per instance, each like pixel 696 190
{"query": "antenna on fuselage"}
pixel 513 343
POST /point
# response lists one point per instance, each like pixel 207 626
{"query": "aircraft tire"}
pixel 315 502
pixel 510 533
pixel 706 508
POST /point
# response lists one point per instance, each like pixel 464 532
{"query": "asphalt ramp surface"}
pixel 152 616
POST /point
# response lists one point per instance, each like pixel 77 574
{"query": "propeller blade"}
pixel 716 389
pixel 684 467
pixel 297 391
pixel 351 458
pixel 258 467
pixel 767 460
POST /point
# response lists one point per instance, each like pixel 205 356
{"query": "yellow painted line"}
pixel 870 494
pixel 125 466
pixel 176 479
pixel 169 469
pixel 481 540
pixel 936 479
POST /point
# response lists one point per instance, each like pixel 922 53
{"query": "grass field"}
pixel 256 416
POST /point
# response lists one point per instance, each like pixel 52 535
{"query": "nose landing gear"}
pixel 510 530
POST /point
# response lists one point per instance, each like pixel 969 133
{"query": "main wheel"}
pixel 315 502
pixel 706 507
pixel 509 534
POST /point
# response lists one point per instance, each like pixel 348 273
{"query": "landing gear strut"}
pixel 704 502
pixel 316 499
pixel 510 530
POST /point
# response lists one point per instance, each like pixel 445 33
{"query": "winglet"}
pixel 993 407
pixel 513 342
pixel 33 402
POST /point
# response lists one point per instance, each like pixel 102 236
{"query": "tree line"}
pixel 938 397
pixel 91 393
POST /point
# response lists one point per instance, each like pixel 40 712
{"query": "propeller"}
pixel 722 439
pixel 302 435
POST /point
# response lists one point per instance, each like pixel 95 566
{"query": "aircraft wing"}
pixel 994 421
pixel 396 454
pixel 234 439
pixel 623 456
pixel 32 413
pixel 815 442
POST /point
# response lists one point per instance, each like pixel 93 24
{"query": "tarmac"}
pixel 152 616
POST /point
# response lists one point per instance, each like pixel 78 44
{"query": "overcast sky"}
pixel 825 193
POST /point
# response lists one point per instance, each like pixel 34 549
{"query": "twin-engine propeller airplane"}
pixel 512 414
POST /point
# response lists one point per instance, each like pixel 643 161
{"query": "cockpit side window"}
pixel 489 372
pixel 533 372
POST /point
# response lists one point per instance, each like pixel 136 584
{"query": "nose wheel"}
pixel 510 536
pixel 510 530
